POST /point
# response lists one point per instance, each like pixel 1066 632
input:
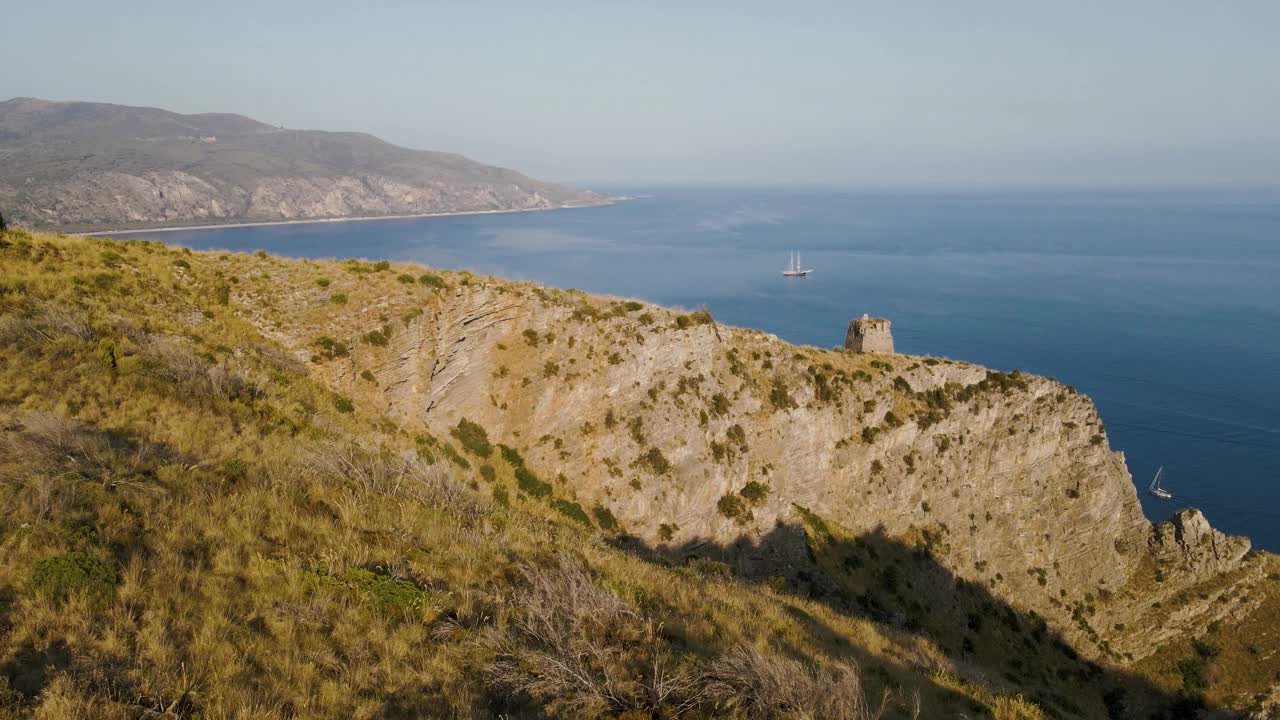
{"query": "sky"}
pixel 608 93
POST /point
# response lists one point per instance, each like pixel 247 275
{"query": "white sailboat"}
pixel 794 269
pixel 1155 488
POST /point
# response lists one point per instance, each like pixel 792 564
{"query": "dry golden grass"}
pixel 194 524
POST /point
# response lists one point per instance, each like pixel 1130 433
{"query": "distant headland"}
pixel 79 166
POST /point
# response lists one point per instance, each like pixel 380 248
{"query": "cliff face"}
pixel 114 199
pixel 165 460
pixel 78 165
pixel 699 436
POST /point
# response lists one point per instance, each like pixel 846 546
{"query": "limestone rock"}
pixel 658 417
pixel 1188 540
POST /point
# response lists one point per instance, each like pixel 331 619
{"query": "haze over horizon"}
pixel 1166 94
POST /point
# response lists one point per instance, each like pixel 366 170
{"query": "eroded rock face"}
pixel 163 197
pixel 96 166
pixel 1016 478
pixel 660 417
pixel 1188 542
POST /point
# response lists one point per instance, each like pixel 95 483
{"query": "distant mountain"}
pixel 80 165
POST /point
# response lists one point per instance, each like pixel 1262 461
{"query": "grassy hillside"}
pixel 194 524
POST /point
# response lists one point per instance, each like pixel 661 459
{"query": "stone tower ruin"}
pixel 870 335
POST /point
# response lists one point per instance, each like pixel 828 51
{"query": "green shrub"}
pixel 10 699
pixel 182 264
pixel 454 456
pixel 711 568
pixel 1194 678
pixel 778 395
pixel 755 493
pixel 487 472
pixel 381 266
pixel 530 337
pixel 61 576
pixel 330 348
pixel 338 298
pixel 431 281
pixel 388 594
pixel 573 511
pixel 636 427
pixel 512 456
pixel 473 438
pixel 343 404
pixel 323 282
pixel 631 306
pixel 109 353
pixel 666 531
pixel 733 507
pixel 604 518
pixel 530 485
pixel 655 461
pixel 366 375
pixel 719 404
pixel 235 469
pixel 222 294
pixel 405 278
pixel 901 383
pixel 501 496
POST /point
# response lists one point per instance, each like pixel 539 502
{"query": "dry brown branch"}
pixel 581 651
pixel 763 685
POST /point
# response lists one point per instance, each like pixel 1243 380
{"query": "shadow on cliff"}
pixel 900 584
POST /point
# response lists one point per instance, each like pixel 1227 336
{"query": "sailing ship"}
pixel 794 269
pixel 1155 488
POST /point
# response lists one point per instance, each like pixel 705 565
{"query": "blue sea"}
pixel 1163 307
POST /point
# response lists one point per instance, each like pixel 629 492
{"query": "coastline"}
pixel 354 218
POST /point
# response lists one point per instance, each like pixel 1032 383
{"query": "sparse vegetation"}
pixel 734 507
pixel 755 493
pixel 779 396
pixel 654 461
pixel 473 438
pixel 195 524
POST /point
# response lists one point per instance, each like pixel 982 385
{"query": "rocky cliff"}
pixel 90 165
pixel 439 440
pixel 707 440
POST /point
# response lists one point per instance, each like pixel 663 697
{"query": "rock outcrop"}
pixel 660 417
pixel 1189 543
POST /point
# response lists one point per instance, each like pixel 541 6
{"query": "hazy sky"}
pixel 1026 92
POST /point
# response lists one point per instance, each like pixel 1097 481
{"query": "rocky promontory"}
pixel 98 166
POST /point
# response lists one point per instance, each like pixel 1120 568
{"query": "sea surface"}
pixel 1163 307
